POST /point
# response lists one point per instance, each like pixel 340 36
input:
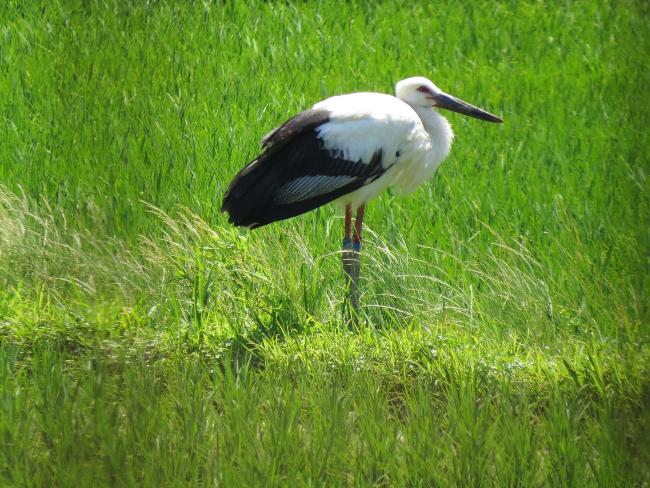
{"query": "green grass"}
pixel 504 329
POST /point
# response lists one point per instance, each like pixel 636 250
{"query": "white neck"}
pixel 439 130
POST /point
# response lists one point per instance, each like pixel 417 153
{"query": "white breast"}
pixel 362 124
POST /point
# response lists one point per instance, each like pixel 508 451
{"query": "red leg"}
pixel 348 221
pixel 358 225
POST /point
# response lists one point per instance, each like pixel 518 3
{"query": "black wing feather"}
pixel 303 122
pixel 258 194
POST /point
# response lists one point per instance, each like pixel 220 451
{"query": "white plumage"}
pixel 363 123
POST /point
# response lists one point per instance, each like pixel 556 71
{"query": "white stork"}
pixel 348 149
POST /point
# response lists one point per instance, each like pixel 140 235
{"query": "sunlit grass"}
pixel 504 328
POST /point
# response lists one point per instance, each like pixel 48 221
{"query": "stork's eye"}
pixel 424 89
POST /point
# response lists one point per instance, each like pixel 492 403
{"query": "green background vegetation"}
pixel 143 341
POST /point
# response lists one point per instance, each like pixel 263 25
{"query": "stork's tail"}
pixel 246 194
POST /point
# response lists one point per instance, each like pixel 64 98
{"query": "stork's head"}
pixel 420 92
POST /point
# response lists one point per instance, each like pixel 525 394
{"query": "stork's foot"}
pixel 352 269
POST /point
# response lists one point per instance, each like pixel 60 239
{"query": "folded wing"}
pixel 296 172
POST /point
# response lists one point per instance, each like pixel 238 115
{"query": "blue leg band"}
pixel 347 243
pixel 356 246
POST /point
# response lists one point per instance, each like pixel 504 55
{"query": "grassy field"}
pixel 505 320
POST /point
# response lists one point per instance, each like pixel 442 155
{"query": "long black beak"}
pixel 443 100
